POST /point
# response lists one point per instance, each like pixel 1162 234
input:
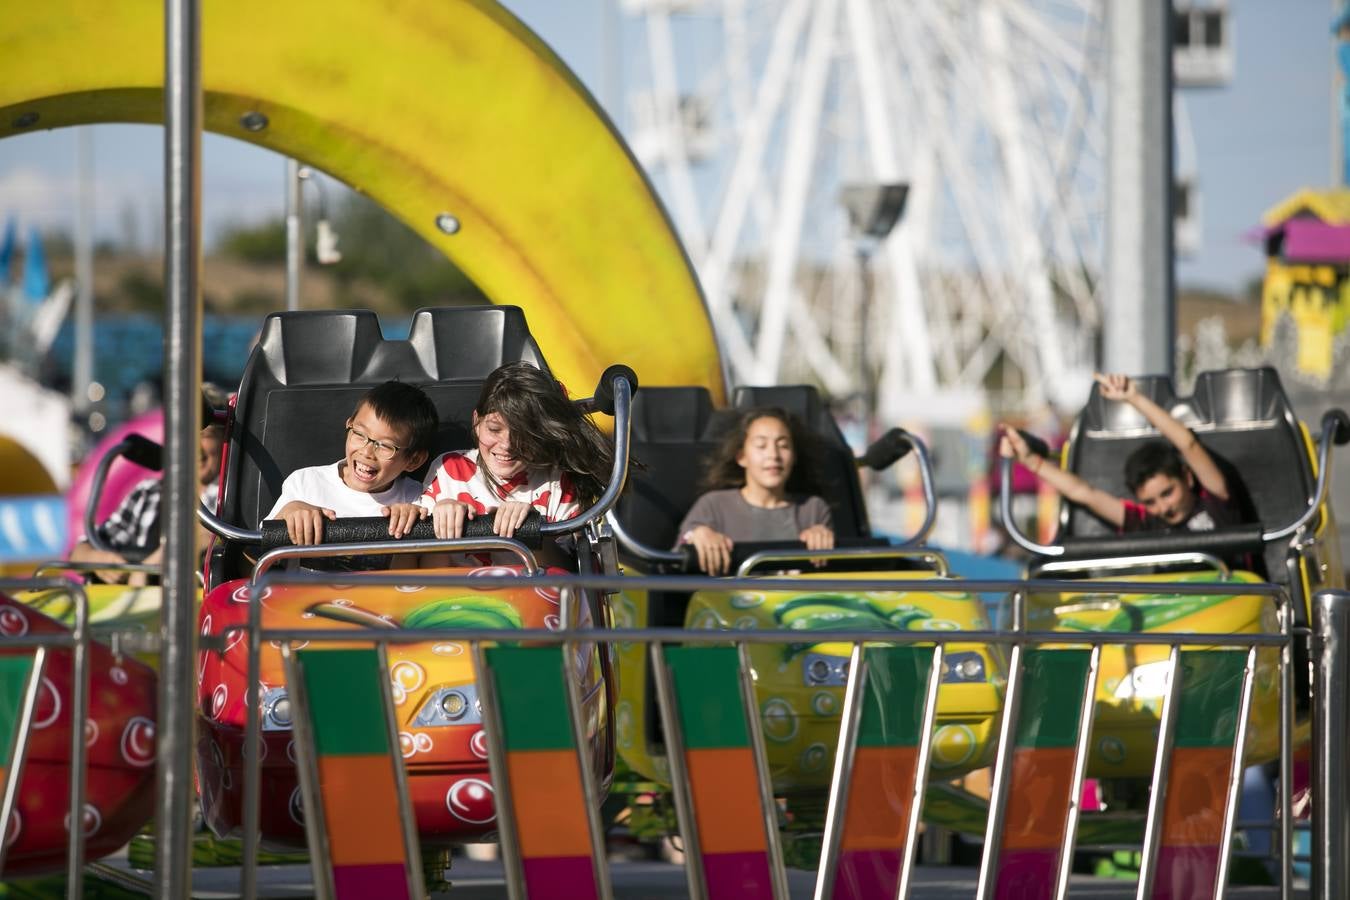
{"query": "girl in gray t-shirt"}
pixel 755 494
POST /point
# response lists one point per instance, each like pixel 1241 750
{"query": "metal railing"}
pixel 1016 640
pixel 1329 641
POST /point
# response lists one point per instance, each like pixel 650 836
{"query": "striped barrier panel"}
pixel 1199 774
pixel 20 677
pixel 358 821
pixel 547 802
pixel 727 813
pixel 547 808
pixel 881 767
pixel 723 800
pixel 1043 754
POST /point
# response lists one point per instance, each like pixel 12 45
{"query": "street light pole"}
pixel 873 211
pixel 295 235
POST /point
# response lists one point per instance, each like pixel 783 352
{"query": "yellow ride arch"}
pixel 428 107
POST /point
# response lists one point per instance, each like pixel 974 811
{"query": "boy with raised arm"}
pixel 1175 482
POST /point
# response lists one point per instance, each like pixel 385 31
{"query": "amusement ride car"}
pixel 799 687
pixel 302 381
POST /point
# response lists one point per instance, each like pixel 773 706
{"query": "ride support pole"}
pixel 183 117
pixel 1331 733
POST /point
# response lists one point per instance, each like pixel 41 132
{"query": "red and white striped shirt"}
pixel 456 476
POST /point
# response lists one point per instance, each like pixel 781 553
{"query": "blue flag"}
pixel 36 282
pixel 7 250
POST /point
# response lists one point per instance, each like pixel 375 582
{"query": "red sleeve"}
pixel 1136 517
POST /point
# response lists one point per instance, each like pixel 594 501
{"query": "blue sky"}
pixel 1263 136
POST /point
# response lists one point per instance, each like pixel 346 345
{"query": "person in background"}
pixel 133 529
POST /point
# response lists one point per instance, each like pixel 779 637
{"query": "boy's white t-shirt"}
pixel 322 486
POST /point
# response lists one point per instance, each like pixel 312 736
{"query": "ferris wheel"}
pixel 762 120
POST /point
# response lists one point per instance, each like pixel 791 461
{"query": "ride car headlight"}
pixel 450 706
pixel 1146 682
pixel 453 704
pixel 822 670
pixel 962 668
pixel 276 710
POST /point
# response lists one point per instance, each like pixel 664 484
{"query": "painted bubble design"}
pixel 15 828
pixel 814 758
pixel 13 623
pixel 953 745
pixel 1112 749
pixel 470 800
pixel 780 724
pixel 407 675
pixel 138 742
pixel 218 698
pixel 53 697
pixel 91 820
pixel 296 807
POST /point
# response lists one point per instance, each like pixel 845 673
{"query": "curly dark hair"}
pixel 724 472
pixel 547 429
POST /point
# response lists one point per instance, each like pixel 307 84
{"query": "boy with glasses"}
pixel 388 435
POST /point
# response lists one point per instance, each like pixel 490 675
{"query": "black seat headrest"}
pixel 311 367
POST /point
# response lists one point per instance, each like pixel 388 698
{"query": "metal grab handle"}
pixel 621 388
pixel 137 449
pixel 639 549
pixel 1333 433
pixel 1134 562
pixel 935 561
pixel 929 493
pixel 381 548
pixel 1068 609
pixel 1009 523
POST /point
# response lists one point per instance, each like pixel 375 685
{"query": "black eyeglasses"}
pixel 382 450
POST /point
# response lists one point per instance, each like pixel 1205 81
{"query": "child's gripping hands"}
pixel 509 517
pixel 304 521
pixel 448 517
pixel 402 517
pixel 713 549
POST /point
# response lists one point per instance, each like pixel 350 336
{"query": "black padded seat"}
pixel 1243 418
pixel 668 440
pixel 838 477
pixel 310 368
pixel 675 431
